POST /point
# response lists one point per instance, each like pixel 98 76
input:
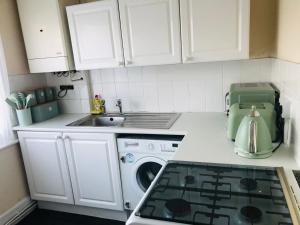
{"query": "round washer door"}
pixel 146 170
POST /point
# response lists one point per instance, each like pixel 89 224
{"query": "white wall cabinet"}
pixel 214 30
pixel 46 166
pixel 96 35
pixel 155 32
pixel 150 31
pixel 45 33
pixel 94 169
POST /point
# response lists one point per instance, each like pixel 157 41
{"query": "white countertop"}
pixel 205 138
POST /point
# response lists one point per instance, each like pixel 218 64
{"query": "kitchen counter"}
pixel 205 138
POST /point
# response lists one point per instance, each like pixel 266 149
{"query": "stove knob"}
pixel 151 147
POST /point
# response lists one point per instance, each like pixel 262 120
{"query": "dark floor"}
pixel 46 217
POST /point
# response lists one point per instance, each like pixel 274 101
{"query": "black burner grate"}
pixel 212 194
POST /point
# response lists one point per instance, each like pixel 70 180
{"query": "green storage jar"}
pixel 49 94
pixel 40 96
pixel 45 111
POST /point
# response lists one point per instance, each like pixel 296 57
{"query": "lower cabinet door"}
pixel 46 166
pixel 94 170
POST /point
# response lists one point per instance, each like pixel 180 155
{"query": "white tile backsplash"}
pixel 197 87
pixel 77 100
pixel 286 76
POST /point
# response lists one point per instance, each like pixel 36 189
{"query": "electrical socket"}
pixel 66 87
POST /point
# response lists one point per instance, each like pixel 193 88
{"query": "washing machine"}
pixel 141 158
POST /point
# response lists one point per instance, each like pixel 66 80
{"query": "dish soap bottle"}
pixel 97 105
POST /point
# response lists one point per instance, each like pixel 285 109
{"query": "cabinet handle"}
pixel 188 58
pixel 59 137
pixel 121 63
pixel 128 62
pixel 67 138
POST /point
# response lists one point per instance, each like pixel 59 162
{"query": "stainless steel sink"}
pixel 108 121
pixel 100 121
pixel 130 120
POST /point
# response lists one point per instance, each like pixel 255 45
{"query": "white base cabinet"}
pixel 94 170
pixel 46 166
pixel 73 168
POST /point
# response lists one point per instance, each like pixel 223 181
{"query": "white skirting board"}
pixel 82 210
pixel 17 212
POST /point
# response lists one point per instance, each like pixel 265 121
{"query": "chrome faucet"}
pixel 119 104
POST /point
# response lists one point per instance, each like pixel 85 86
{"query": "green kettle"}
pixel 253 139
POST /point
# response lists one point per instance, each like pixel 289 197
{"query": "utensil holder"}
pixel 24 117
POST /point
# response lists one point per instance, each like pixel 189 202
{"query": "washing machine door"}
pixel 146 170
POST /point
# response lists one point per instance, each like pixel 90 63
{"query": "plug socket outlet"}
pixel 66 87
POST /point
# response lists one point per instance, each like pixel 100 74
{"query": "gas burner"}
pixel 251 214
pixel 248 184
pixel 189 179
pixel 177 207
pixel 212 194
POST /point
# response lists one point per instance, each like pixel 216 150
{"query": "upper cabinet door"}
pixel 151 31
pixel 214 30
pixel 95 35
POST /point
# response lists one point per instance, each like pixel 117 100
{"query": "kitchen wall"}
pixel 77 100
pixel 27 81
pixel 197 87
pixel 288 31
pixel 263 24
pixel 11 34
pixel 13 186
pixel 285 75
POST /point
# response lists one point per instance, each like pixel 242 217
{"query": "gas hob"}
pixel 215 194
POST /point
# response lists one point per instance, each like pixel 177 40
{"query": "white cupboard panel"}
pixel 211 33
pixel 95 34
pixel 94 170
pixel 42 30
pixel 151 32
pixel 46 166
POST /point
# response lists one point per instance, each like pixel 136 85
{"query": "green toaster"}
pixel 264 96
